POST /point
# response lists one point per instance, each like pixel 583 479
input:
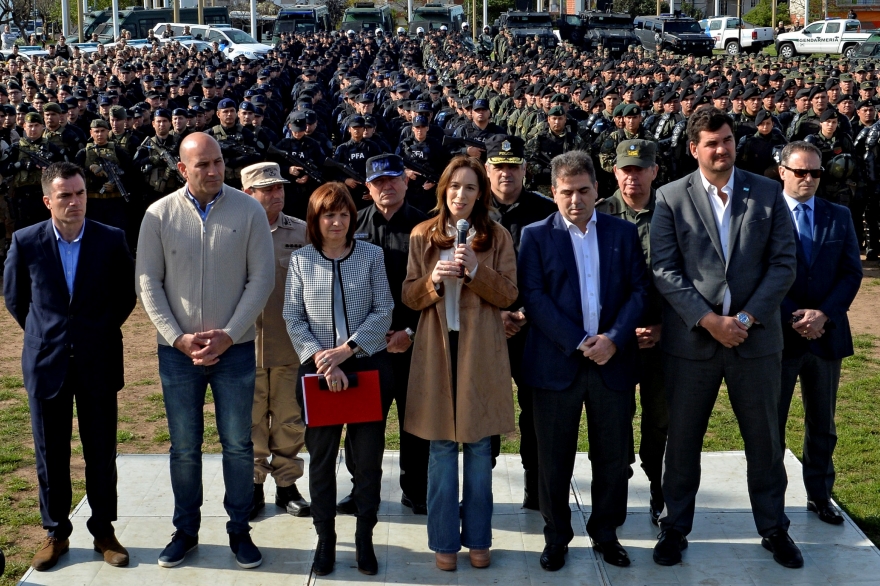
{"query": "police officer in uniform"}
pixel 105 201
pixel 151 160
pixel 120 134
pixel 237 143
pixel 354 154
pixel 480 128
pixel 555 140
pixel 26 205
pixel 427 151
pixel 632 130
pixel 635 169
pixel 61 136
pixel 298 146
pixel 832 142
pixel 755 153
pixel 278 430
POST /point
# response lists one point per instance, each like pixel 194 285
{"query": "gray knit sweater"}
pixel 194 276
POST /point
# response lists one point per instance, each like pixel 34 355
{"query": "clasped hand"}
pixel 599 349
pixel 727 330
pixel 204 348
pixel 328 362
pixel 451 269
pixel 811 324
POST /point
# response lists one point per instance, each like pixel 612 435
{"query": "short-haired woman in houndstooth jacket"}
pixel 338 311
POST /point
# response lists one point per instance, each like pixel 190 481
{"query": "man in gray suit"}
pixel 724 256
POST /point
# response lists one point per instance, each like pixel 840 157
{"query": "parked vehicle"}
pixel 836 36
pixel 366 15
pixel 233 42
pixel 591 28
pixel 734 35
pixel 138 21
pixel 523 24
pixel 672 32
pixel 869 49
pixel 433 15
pixel 301 19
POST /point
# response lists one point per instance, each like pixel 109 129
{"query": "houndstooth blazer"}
pixel 366 298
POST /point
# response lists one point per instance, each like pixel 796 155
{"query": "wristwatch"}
pixel 353 345
pixel 411 334
pixel 744 319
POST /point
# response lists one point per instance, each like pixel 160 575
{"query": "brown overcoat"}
pixel 484 403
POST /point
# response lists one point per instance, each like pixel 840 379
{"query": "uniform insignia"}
pixel 505 146
pixel 633 151
pixel 270 172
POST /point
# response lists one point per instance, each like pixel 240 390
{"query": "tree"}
pixel 640 7
pixel 762 14
pixel 494 10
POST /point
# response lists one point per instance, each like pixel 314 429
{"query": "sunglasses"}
pixel 801 173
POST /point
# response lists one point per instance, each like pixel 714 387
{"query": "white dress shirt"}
pixel 586 255
pixel 452 286
pixel 721 211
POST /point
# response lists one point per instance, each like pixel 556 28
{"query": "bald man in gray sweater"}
pixel 204 272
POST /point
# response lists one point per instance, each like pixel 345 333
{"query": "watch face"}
pixel 743 318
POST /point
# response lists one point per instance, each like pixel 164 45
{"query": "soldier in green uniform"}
pixel 237 143
pixel 832 143
pixel 635 170
pixel 66 139
pixel 632 130
pixel 555 140
pixel 106 203
pixel 157 158
pixel 23 167
pixel 119 133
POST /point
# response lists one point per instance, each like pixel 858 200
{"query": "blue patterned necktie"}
pixel 805 233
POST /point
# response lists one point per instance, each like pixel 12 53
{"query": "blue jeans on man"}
pixel 184 387
pixel 446 532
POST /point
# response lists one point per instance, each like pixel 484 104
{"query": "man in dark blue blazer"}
pixel 584 285
pixel 69 283
pixel 815 328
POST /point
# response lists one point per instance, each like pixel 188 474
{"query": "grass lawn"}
pixel 857 456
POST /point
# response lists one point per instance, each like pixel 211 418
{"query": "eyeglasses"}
pixel 801 173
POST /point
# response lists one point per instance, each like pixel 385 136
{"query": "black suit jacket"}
pixel 57 327
pixel 829 283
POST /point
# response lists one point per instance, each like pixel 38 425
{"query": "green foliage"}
pixel 762 14
pixel 495 8
pixel 640 7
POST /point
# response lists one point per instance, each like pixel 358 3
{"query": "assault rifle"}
pixel 294 161
pixel 113 172
pixel 429 175
pixel 41 162
pixel 333 164
pixel 170 162
pixel 239 149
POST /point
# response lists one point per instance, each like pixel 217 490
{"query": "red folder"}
pixel 359 403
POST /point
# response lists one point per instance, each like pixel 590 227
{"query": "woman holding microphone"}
pixel 460 275
pixel 338 309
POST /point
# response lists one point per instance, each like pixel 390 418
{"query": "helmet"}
pixel 379 32
pixel 420 30
pixel 464 25
pixel 401 30
pixel 350 32
pixel 443 28
pixel 777 153
pixel 487 28
pixel 841 166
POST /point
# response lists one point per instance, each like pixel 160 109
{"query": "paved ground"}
pixel 724 547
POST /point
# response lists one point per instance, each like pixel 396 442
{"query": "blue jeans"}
pixel 446 533
pixel 184 386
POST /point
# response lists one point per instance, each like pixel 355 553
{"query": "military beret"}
pixel 52 107
pixel 33 117
pixel 827 115
pixel 100 123
pixel 118 112
pixel 761 117
pixel 163 113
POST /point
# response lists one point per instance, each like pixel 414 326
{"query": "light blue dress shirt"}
pixel 203 213
pixel 69 253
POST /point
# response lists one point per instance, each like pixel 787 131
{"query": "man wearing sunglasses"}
pixel 815 328
pixel 723 256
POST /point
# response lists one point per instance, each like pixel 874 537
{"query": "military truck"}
pixel 301 18
pixel 591 28
pixel 367 15
pixel 675 33
pixel 433 15
pixel 524 25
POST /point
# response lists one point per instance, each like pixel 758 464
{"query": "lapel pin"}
pixel 746 188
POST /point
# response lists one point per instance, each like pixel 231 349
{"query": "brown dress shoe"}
pixel 446 561
pixel 480 558
pixel 114 554
pixel 47 556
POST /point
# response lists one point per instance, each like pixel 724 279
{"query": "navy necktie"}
pixel 805 233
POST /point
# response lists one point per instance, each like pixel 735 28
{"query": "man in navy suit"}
pixel 584 283
pixel 815 328
pixel 69 283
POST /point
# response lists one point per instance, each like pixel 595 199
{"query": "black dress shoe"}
pixel 289 499
pixel 656 504
pixel 785 552
pixel 417 508
pixel 826 512
pixel 347 506
pixel 366 557
pixel 668 550
pixel 530 492
pixel 325 556
pixel 259 501
pixel 553 557
pixel 613 552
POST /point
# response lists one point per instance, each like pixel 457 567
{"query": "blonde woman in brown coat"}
pixel 460 388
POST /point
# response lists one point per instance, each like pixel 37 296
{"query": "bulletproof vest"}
pixel 32 175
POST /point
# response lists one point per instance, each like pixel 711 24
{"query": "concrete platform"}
pixel 724 547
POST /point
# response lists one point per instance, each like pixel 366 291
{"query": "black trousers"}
pixel 655 416
pixel 753 387
pixel 413 450
pixel 528 442
pixel 609 427
pixel 52 425
pixel 820 379
pixel 367 447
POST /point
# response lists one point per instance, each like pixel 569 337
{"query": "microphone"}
pixel 462 226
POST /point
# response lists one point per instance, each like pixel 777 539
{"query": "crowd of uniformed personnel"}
pixel 350 96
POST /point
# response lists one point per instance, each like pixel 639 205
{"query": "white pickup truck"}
pixel 725 31
pixel 837 36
